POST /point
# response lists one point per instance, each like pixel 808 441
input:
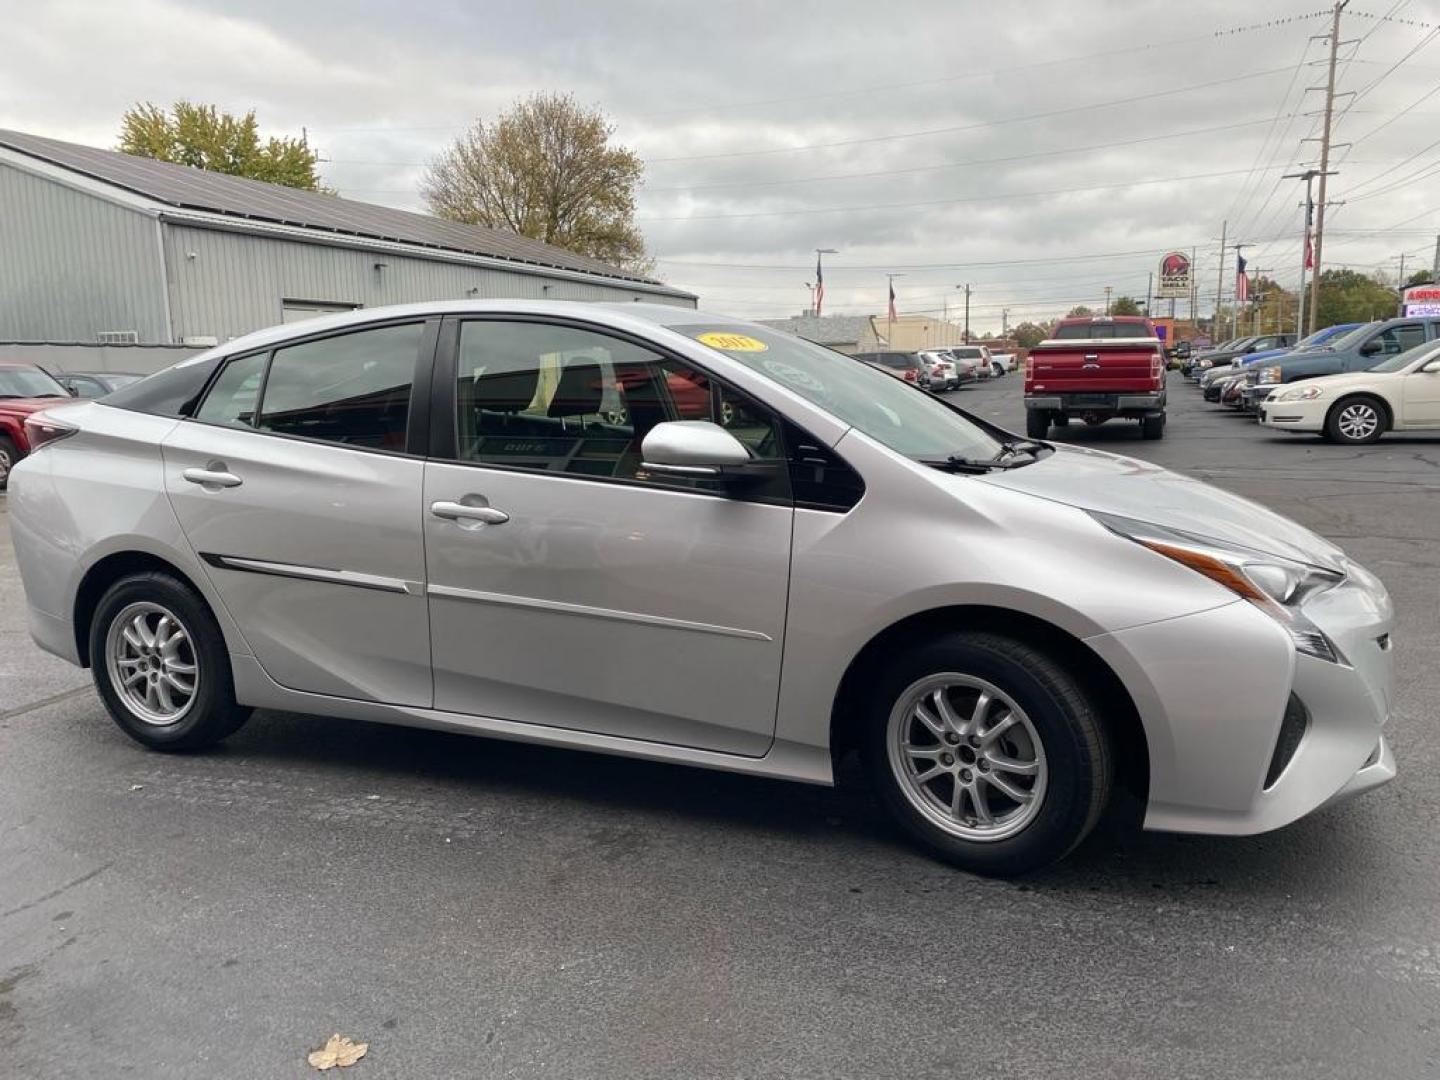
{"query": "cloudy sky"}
pixel 1038 152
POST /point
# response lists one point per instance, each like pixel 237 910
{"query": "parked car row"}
pixel 1360 380
pixel 941 369
pixel 28 388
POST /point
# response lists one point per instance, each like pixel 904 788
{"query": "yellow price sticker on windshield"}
pixel 732 342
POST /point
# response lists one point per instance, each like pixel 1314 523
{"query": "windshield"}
pixel 901 417
pixel 28 382
pixel 1345 341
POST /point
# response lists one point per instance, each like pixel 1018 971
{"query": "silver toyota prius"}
pixel 658 532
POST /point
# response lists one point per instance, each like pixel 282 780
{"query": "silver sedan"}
pixel 662 533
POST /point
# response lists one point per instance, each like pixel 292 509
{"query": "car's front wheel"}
pixel 160 664
pixel 987 752
pixel 1355 421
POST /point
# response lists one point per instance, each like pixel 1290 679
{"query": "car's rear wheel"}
pixel 160 664
pixel 1037 423
pixel 1152 427
pixel 987 752
pixel 9 455
pixel 1355 420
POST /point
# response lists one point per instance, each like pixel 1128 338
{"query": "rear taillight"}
pixel 42 430
pixel 1157 369
pixel 1029 367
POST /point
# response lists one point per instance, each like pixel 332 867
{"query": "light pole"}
pixel 966 333
pixel 817 295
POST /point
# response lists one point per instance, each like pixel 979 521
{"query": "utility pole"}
pixel 1005 322
pixel 966 334
pixel 1309 177
pixel 1435 269
pixel 1107 299
pixel 1400 288
pixel 1216 339
pixel 1149 287
pixel 1325 163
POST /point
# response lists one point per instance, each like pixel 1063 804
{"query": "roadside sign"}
pixel 1174 276
pixel 1422 300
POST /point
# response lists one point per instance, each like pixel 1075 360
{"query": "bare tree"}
pixel 546 170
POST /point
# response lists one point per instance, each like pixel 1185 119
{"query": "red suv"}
pixel 24 389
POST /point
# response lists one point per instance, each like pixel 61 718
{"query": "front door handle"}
pixel 212 476
pixel 459 511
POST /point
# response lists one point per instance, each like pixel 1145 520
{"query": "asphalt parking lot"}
pixel 475 908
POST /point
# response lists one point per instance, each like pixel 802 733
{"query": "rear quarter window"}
pixel 172 392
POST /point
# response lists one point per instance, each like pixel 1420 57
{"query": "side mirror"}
pixel 1370 348
pixel 693 448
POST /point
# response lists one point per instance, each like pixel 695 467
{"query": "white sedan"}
pixel 1401 394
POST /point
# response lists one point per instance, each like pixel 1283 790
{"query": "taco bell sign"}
pixel 1174 275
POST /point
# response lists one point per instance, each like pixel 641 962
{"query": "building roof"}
pixel 236 197
pixel 825 330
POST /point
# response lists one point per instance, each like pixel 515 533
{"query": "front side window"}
pixel 1399 338
pixel 563 399
pixel 352 388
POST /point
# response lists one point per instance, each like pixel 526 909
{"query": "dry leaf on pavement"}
pixel 338 1050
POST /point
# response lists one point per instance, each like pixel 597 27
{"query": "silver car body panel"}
pixel 608 607
pixel 649 622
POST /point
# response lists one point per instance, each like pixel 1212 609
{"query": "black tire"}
pixel 1037 423
pixel 9 455
pixel 1078 757
pixel 1355 408
pixel 1152 427
pixel 212 713
pixel 1060 420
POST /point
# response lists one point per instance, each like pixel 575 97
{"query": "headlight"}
pixel 1276 585
pixel 1302 393
pixel 1270 375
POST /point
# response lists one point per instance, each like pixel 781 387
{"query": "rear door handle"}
pixel 212 477
pixel 456 511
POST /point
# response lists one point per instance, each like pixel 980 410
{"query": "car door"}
pixel 570 587
pixel 295 485
pixel 1420 394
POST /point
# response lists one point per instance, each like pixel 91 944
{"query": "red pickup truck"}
pixel 1094 369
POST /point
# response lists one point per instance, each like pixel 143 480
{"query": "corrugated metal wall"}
pixel 73 266
pixel 224 284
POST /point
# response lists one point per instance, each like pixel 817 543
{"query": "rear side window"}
pixel 352 389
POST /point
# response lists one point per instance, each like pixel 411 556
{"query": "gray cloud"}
pixel 382 86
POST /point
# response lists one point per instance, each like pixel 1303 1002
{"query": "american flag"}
pixel 1242 283
pixel 1309 252
pixel 892 302
pixel 819 287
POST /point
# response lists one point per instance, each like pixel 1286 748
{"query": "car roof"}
pixel 619 315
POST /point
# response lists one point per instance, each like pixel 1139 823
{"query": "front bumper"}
pixel 1293 415
pixel 1214 729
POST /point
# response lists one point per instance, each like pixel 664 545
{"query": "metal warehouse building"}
pixel 102 248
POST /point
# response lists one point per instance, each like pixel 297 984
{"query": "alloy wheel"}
pixel 150 658
pixel 967 757
pixel 1358 421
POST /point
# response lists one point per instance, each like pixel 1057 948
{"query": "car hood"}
pixel 1126 487
pixel 26 406
pixel 1346 381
